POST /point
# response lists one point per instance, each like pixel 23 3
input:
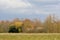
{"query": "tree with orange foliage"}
pixel 28 25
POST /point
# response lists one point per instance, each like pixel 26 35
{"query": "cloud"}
pixel 45 0
pixel 14 4
pixel 47 6
pixel 52 8
pixel 29 7
pixel 21 7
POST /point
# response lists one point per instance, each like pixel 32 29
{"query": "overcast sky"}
pixel 10 9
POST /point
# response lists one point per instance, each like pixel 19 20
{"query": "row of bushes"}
pixel 50 25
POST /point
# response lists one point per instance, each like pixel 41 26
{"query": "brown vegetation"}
pixel 50 25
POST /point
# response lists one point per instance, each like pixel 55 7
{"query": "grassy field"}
pixel 29 36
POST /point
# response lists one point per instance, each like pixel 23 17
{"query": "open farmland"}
pixel 29 36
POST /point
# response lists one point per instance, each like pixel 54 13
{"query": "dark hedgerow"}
pixel 13 29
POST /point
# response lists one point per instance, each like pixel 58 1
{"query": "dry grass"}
pixel 29 36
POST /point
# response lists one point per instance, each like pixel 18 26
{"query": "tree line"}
pixel 50 25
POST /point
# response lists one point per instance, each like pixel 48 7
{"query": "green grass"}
pixel 29 37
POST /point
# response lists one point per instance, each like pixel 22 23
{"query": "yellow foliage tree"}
pixel 18 24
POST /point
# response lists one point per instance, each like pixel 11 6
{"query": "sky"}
pixel 10 9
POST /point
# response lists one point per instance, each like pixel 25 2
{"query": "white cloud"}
pixel 23 4
pixel 14 4
pixel 49 9
pixel 45 0
pixel 52 8
pixel 42 11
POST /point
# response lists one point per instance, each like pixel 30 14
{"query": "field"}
pixel 29 36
